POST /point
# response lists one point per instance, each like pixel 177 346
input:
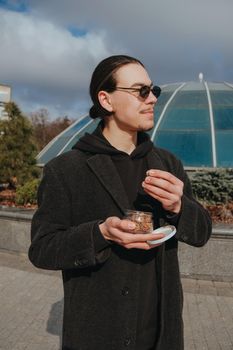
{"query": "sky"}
pixel 49 48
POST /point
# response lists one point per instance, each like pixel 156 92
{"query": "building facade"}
pixel 5 96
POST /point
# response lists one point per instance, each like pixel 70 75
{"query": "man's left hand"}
pixel 164 187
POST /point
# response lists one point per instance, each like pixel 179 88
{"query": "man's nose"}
pixel 151 98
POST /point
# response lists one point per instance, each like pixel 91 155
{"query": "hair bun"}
pixel 93 112
pixel 98 112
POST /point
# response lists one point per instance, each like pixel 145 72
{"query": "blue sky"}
pixel 49 48
pixel 18 6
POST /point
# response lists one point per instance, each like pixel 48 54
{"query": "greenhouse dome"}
pixel 193 120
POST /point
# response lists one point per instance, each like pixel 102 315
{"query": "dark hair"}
pixel 103 79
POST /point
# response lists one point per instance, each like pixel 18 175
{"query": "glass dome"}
pixel 193 120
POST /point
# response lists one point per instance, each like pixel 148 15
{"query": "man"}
pixel 119 291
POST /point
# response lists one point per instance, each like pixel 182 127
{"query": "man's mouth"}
pixel 148 111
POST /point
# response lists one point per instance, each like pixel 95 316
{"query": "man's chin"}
pixel 145 127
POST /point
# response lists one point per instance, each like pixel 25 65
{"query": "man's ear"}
pixel 105 100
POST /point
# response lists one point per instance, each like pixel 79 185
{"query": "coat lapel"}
pixel 106 172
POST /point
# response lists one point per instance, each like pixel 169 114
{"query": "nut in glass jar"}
pixel 143 220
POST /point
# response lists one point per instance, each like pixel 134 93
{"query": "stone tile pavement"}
pixel 31 302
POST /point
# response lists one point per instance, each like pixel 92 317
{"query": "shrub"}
pixel 213 186
pixel 27 193
pixel 17 149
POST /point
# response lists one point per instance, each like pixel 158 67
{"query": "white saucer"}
pixel 168 231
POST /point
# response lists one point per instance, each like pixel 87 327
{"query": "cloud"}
pixel 49 51
pixel 46 58
pixel 176 34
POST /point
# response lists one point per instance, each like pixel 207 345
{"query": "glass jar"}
pixel 143 220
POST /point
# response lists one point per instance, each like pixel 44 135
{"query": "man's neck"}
pixel 120 139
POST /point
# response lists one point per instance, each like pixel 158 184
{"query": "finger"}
pixel 139 245
pixel 138 238
pixel 164 175
pixel 145 246
pixel 165 201
pixel 161 193
pixel 126 225
pixel 165 185
pixel 125 238
pixel 160 183
pixel 122 225
pixel 155 245
pixel 113 221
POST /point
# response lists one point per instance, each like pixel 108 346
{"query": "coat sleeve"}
pixel 194 225
pixel 55 244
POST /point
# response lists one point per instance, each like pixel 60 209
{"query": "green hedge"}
pixel 210 187
pixel 213 186
pixel 27 193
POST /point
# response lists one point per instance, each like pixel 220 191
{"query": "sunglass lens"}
pixel 156 91
pixel 145 91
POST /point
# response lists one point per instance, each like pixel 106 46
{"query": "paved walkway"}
pixel 31 302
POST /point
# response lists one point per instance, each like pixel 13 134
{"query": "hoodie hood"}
pixel 96 143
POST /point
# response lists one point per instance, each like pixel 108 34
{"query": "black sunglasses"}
pixel 143 91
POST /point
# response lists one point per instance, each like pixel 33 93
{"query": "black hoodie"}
pixel 132 171
pixel 131 168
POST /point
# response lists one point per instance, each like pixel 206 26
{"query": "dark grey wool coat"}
pixel 101 279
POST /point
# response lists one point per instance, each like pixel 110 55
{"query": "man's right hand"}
pixel 121 232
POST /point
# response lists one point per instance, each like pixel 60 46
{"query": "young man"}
pixel 119 291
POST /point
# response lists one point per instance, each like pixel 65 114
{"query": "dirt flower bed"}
pixel 7 199
pixel 7 195
pixel 221 212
